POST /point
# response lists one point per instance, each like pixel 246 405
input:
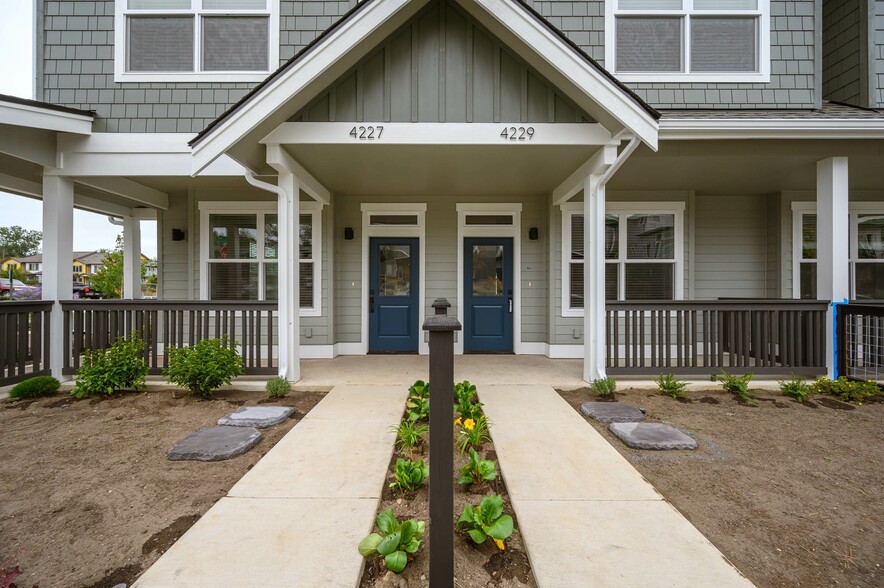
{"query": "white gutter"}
pixel 115 221
pixel 771 128
pixel 251 179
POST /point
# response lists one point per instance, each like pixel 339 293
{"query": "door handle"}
pixel 371 301
pixel 510 299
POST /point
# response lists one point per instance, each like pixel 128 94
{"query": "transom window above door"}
pixel 688 40
pixel 196 40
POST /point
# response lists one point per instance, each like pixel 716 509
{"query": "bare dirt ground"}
pixel 791 493
pixel 87 496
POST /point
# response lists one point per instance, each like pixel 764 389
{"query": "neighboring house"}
pixel 532 163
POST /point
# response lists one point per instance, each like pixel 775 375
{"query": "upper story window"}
pixel 196 40
pixel 688 40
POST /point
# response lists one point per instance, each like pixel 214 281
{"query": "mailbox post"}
pixel 441 328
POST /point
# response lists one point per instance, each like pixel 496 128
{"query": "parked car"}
pixel 18 290
pixel 82 290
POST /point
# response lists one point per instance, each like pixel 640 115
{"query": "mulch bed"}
pixel 790 493
pixel 87 496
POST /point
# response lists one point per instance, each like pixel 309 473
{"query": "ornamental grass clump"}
pixel 399 542
pixel 473 433
pixel 409 475
pixel 106 371
pixel 409 434
pixel 278 387
pixel 856 391
pixel 738 385
pixel 477 471
pixel 35 387
pixel 671 386
pixel 204 367
pixel 487 520
pixel 604 387
pixel 796 388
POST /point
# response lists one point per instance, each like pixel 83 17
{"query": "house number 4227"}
pixel 367 133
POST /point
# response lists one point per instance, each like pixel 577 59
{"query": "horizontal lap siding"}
pixel 174 275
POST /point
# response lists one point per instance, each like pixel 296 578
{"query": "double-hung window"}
pixel 196 40
pixel 643 253
pixel 688 40
pixel 240 248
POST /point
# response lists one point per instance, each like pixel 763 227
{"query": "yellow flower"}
pixel 499 544
pixel 469 424
pixel 457 421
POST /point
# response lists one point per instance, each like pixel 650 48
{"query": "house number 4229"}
pixel 517 133
pixel 367 133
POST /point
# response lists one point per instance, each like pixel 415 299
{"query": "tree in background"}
pixel 18 242
pixel 109 278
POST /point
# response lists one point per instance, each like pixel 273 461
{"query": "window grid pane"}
pixel 724 44
pixel 160 43
pixel 576 236
pixel 576 285
pixel 650 236
pixel 305 282
pixel 612 281
pixel 234 4
pixel 235 43
pixel 271 236
pixel 305 236
pixel 271 281
pixel 233 281
pixel 808 236
pixel 234 236
pixel 612 236
pixel 807 284
pixel 649 44
pixel 649 281
pixel 159 4
pixel 870 236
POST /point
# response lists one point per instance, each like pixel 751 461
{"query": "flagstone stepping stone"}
pixel 612 412
pixel 259 417
pixel 215 444
pixel 652 436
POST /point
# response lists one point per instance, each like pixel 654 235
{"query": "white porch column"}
pixel 593 278
pixel 58 259
pixel 833 258
pixel 289 286
pixel 131 258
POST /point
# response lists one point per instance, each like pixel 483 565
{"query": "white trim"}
pixel 318 351
pixel 566 351
pixel 120 48
pixel 406 231
pixel 260 208
pixel 675 208
pixel 514 231
pixel 686 13
pixel 26 115
pixel 771 128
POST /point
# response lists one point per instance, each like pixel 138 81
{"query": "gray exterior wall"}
pixel 877 68
pixel 845 53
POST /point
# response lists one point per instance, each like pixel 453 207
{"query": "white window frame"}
pixel 855 210
pixel 122 12
pixel 624 209
pixel 687 11
pixel 261 208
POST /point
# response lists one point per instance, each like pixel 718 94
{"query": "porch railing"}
pixel 861 341
pixel 698 337
pixel 161 324
pixel 24 340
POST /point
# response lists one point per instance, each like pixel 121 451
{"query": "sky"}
pixel 91 231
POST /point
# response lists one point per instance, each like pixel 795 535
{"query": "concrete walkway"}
pixel 587 517
pixel 296 517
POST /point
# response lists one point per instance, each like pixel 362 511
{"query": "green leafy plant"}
pixel 34 387
pixel 604 386
pixel 738 385
pixel 487 520
pixel 473 433
pixel 278 387
pixel 419 389
pixel 856 391
pixel 796 388
pixel 409 475
pixel 477 471
pixel 399 542
pixel 106 371
pixel 671 386
pixel 408 434
pixel 204 367
pixel 467 404
pixel 418 408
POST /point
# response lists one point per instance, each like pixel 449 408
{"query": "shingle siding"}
pixel 843 60
pixel 878 55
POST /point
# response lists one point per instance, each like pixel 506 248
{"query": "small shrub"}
pixel 419 389
pixel 467 404
pixel 670 385
pixel 34 387
pixel 738 385
pixel 604 386
pixel 418 408
pixel 474 433
pixel 398 542
pixel 855 391
pixel 795 388
pixel 205 367
pixel 106 371
pixel 477 471
pixel 409 475
pixel 487 520
pixel 408 434
pixel 278 387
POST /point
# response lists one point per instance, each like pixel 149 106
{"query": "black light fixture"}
pixel 533 233
pixel 348 233
pixel 178 234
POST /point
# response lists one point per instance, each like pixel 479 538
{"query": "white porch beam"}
pixel 131 258
pixel 833 257
pixel 31 189
pixel 36 146
pixel 58 251
pixel 129 189
pixel 288 209
pixel 593 278
pixel 37 117
pixel 279 159
pixel 100 206
pixel 598 164
pixel 381 133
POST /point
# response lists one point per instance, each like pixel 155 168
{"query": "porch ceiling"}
pixel 747 166
pixel 462 170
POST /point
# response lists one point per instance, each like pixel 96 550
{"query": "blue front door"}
pixel 488 294
pixel 393 295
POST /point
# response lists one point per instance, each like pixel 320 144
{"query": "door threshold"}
pixel 392 353
pixel 483 352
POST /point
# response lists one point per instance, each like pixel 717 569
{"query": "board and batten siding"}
pixel 441 66
pixel 440 264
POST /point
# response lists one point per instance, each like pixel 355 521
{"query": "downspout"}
pixel 261 185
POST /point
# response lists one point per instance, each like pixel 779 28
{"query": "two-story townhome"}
pixel 650 185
